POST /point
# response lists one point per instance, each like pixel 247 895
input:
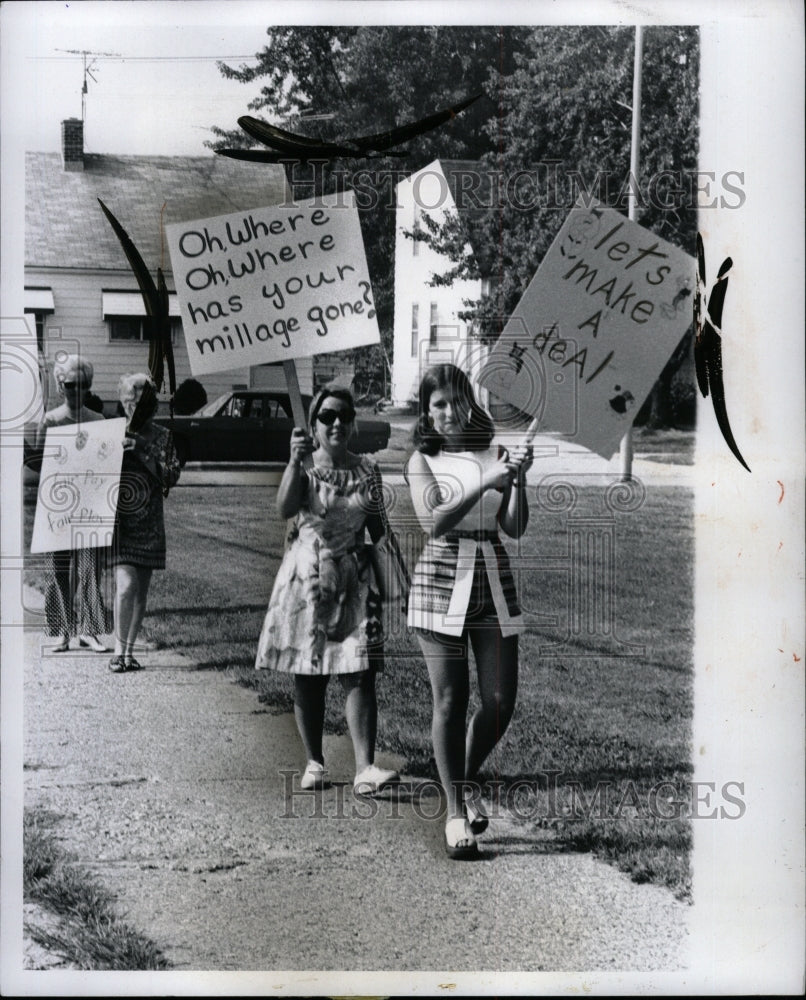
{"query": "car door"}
pixel 279 424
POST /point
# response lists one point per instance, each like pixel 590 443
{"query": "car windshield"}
pixel 211 409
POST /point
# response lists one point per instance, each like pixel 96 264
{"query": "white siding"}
pixel 77 325
pixel 412 275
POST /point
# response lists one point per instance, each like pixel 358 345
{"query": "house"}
pixel 78 284
pixel 427 327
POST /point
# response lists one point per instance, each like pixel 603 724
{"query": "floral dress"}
pixel 324 614
pixel 139 538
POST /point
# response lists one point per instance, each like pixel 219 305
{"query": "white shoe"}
pixel 314 776
pixel 373 779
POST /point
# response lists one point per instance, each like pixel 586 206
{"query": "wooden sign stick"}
pixel 531 431
pixel 297 407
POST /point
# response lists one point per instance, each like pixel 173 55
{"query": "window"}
pixel 122 328
pixel 415 329
pixel 433 328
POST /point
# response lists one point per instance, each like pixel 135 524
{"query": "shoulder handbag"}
pixel 387 560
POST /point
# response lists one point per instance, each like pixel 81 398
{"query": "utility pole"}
pixel 625 449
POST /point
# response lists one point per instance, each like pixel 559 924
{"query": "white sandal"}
pixel 314 776
pixel 460 844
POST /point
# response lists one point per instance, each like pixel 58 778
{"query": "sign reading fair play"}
pixel 79 486
pixel 272 284
pixel 594 328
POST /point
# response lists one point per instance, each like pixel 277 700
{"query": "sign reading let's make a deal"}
pixel 271 284
pixel 594 328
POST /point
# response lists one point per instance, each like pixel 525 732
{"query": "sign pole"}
pixel 625 449
pixel 297 407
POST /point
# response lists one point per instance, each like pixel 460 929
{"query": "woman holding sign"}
pixel 150 469
pixel 463 594
pixel 324 614
pixel 73 601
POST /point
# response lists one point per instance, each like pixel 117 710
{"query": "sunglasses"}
pixel 328 417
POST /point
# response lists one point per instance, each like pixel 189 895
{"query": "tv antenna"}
pixel 89 59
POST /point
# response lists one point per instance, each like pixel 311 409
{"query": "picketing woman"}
pixel 74 604
pixel 464 489
pixel 324 614
pixel 150 468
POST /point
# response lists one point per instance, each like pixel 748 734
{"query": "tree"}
pixel 564 128
pixel 362 80
pixel 555 121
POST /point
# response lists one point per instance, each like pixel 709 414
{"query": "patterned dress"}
pixel 324 614
pixel 139 538
pixel 465 574
pixel 74 604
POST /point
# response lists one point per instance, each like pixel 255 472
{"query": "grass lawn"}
pixel 600 745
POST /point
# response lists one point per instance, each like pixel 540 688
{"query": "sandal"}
pixel 117 665
pixel 93 642
pixel 477 818
pixel 132 664
pixel 460 844
pixel 63 645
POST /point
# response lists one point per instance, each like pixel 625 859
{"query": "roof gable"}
pixel 64 224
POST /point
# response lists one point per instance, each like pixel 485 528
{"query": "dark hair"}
pixel 189 397
pixel 479 430
pixel 93 402
pixel 338 392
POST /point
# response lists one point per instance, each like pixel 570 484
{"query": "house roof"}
pixel 64 224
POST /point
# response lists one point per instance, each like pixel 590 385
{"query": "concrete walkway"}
pixel 170 786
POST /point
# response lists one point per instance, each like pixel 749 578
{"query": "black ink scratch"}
pixel 708 343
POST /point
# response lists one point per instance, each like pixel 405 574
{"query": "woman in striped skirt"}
pixel 463 594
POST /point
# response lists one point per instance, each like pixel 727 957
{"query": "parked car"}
pixel 253 425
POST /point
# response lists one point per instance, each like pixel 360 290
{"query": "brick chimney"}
pixel 73 144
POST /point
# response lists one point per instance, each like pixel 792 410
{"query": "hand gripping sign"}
pixel 273 284
pixel 594 328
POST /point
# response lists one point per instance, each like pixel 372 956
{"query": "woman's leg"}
pixel 143 576
pixel 446 659
pixel 361 709
pixel 309 711
pixel 126 584
pixel 497 668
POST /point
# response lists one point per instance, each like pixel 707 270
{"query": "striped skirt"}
pixel 462 577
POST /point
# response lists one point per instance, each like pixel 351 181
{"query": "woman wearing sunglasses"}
pixel 464 489
pixel 324 614
pixel 73 601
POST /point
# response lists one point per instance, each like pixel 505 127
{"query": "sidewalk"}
pixel 553 457
pixel 170 785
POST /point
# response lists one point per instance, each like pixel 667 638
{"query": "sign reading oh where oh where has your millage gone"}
pixel 272 284
pixel 594 329
pixel 80 486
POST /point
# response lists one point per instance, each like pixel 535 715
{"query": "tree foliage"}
pixel 366 79
pixel 555 121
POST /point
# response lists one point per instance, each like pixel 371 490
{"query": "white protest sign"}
pixel 594 328
pixel 78 486
pixel 272 284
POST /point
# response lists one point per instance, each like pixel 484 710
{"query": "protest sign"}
pixel 78 486
pixel 272 284
pixel 594 328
